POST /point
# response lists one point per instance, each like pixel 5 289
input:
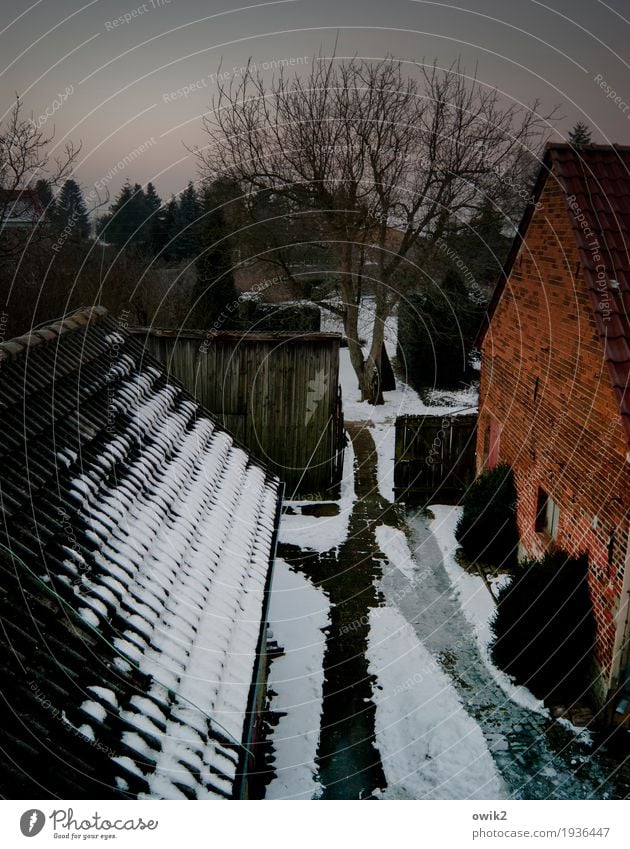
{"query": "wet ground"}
pixel 537 758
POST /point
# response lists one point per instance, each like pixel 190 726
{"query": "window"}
pixel 547 515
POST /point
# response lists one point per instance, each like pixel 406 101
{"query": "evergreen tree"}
pixel 580 136
pixel 70 210
pixel 128 219
pixel 187 244
pixel 157 229
pixel 215 291
pixel 436 329
pixel 152 198
pixel 46 198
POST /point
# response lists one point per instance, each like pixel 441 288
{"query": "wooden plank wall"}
pixel 277 393
pixel 435 456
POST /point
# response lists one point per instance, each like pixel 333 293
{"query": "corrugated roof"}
pixel 596 184
pixel 138 538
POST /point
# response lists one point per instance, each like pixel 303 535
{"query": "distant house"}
pixel 19 208
pixel 555 374
pixel 136 548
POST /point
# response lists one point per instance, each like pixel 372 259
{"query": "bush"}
pixel 544 627
pixel 487 528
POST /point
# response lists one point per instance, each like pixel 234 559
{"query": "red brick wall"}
pixel 544 379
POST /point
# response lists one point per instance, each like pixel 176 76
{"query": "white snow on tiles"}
pixel 183 542
pixel 299 614
pixel 430 747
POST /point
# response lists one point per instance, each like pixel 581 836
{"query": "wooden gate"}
pixel 435 457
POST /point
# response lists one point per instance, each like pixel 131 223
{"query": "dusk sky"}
pixel 107 72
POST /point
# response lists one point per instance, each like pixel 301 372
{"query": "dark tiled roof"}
pixel 596 184
pixel 136 541
pixel 20 206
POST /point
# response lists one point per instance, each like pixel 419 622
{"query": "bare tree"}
pixel 382 158
pixel 25 159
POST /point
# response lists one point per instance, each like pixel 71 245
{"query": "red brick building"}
pixel 555 373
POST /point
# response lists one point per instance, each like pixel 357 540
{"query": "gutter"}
pixel 240 786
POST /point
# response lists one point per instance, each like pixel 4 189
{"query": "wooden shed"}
pixel 278 393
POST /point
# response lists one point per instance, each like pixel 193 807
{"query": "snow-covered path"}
pixel 537 758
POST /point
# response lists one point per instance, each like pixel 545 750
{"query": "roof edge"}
pixel 14 348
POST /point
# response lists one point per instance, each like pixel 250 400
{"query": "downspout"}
pixel 240 790
pixel 619 684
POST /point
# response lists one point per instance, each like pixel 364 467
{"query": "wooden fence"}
pixel 434 457
pixel 278 393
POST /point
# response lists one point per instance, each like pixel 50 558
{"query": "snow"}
pixel 95 710
pixel 477 603
pixel 299 614
pixel 384 435
pixel 403 401
pixel 322 533
pixel 430 748
pixel 393 543
pixel 89 616
pixel 184 535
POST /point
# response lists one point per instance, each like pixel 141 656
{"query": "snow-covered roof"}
pixel 137 538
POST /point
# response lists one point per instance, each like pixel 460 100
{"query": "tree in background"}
pixel 371 150
pixel 25 160
pixel 70 211
pixel 215 293
pixel 438 320
pixel 129 219
pixel 186 244
pixel 46 197
pixel 436 329
pixel 580 136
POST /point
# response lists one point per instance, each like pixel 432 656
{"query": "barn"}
pixel 554 400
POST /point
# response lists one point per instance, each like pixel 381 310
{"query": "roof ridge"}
pixel 13 348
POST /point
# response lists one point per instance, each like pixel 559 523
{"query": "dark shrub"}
pixel 544 627
pixel 487 528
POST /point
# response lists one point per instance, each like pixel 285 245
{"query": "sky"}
pixel 131 81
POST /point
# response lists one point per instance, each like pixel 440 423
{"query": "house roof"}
pixel 596 184
pixel 20 207
pixel 136 543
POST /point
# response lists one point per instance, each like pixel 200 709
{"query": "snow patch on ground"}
pixel 429 746
pixel 477 604
pixel 384 436
pixel 322 533
pixel 393 543
pixel 299 612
